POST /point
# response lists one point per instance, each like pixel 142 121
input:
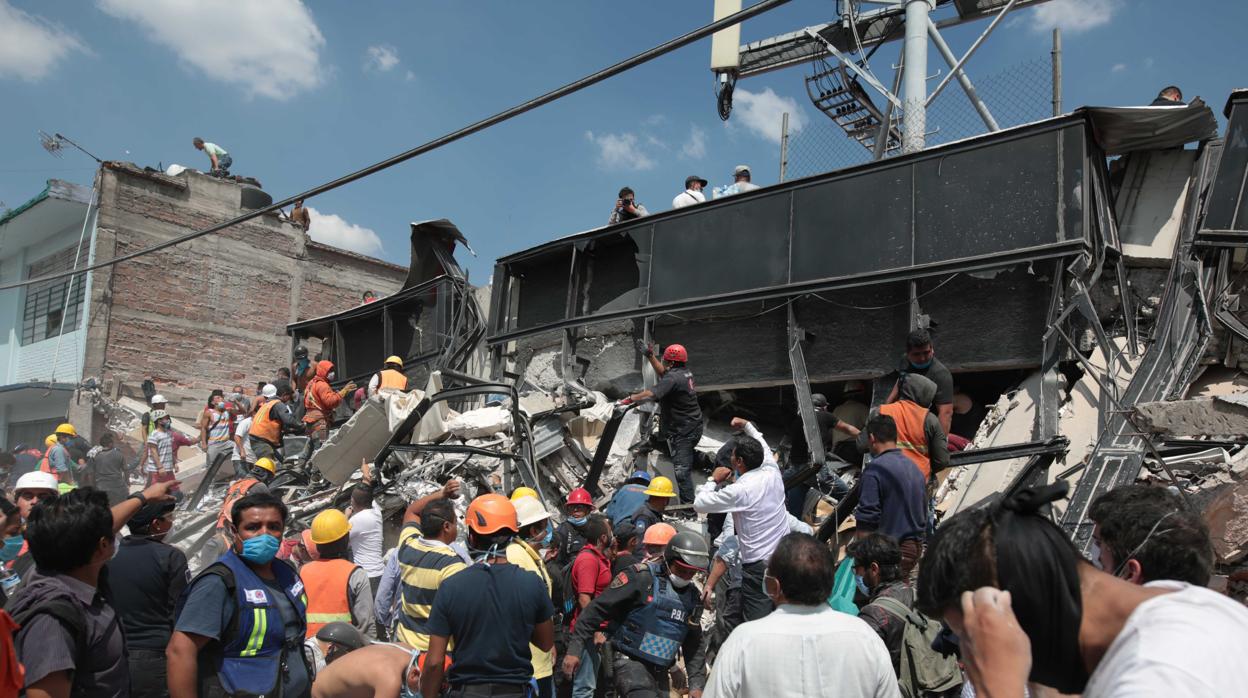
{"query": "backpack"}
pixel 923 670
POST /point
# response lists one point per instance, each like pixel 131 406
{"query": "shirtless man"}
pixel 377 670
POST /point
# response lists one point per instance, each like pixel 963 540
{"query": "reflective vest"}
pixel 250 657
pixel 45 463
pixel 390 378
pixel 238 489
pixel 325 582
pixel 263 426
pixel 911 438
pixel 653 633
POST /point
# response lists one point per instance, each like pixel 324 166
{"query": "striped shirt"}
pixel 218 425
pixel 423 566
pixel 163 441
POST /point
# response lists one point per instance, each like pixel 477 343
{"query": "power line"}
pixel 559 93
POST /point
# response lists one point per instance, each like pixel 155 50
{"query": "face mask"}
pixel 12 546
pixel 679 582
pixel 862 585
pixel 1094 552
pixel 404 691
pixel 261 549
pixel 578 521
pixel 543 540
pixel 921 367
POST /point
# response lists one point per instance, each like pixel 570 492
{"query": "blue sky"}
pixel 300 93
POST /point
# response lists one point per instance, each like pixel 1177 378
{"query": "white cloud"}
pixel 31 46
pixel 695 147
pixel 410 76
pixel 761 113
pixel 654 120
pixel 620 151
pixel 270 48
pixel 1073 15
pixel 382 57
pixel 1118 68
pixel 331 229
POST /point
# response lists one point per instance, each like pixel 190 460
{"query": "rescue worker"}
pixel 521 492
pixel 242 618
pixel 45 466
pixel 657 611
pixel 680 415
pixel 523 553
pixel 800 456
pixel 492 610
pixel 337 588
pixel 274 418
pixel 390 377
pixel 58 461
pixel 919 434
pixel 320 401
pixel 569 537
pixel 628 498
pixel 659 493
pixel 654 543
pixel 261 475
pixel 158 402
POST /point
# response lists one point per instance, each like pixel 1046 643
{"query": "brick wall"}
pixel 211 312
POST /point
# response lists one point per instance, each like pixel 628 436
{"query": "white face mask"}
pixel 1094 552
pixel 679 582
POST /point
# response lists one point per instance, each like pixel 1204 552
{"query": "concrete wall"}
pixel 211 312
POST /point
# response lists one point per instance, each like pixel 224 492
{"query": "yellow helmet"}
pixel 329 525
pixel 51 440
pixel 660 487
pixel 266 464
pixel 524 492
pixel 395 360
pixel 67 429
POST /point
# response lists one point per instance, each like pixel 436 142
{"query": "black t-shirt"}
pixel 490 612
pixel 145 580
pixel 799 453
pixel 678 401
pixel 936 373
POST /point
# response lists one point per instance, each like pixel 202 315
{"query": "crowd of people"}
pixel 507 597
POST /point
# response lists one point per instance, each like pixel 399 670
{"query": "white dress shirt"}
pixel 809 651
pixel 756 502
pixel 366 540
pixel 688 197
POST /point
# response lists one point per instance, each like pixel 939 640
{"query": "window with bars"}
pixel 48 312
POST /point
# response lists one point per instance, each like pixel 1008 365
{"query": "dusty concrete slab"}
pixel 1224 416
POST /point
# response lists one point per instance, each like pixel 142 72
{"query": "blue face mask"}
pixel 260 550
pixel 12 546
pixel 862 585
pixel 923 366
pixel 578 521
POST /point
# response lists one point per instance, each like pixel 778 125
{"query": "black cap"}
pixel 694 178
pixel 150 512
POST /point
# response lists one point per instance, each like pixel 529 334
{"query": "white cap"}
pixel 529 511
pixel 269 390
pixel 158 398
pixel 36 480
pixel 739 169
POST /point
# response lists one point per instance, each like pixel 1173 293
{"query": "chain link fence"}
pixel 1019 94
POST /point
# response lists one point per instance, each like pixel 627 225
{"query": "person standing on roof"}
pixel 919 434
pixel 658 494
pixel 299 215
pixel 628 497
pixel 740 183
pixel 320 400
pixel 523 553
pixel 274 418
pixel 215 424
pixel 337 588
pixel 626 208
pixel 692 193
pixel 492 611
pixel 680 414
pixel 390 377
pixel 1170 96
pixel 657 611
pixel 920 359
pixel 219 159
pixel 242 618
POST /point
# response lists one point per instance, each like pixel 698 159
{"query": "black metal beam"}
pixel 1056 445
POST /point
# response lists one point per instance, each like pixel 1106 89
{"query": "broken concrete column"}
pixel 1224 416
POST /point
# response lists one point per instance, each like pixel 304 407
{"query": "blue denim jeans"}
pixel 586 680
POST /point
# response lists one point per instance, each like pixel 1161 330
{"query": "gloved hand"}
pixel 645 348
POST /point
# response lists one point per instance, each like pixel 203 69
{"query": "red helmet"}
pixel 675 352
pixel 580 495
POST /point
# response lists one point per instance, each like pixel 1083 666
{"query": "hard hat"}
pixel 675 352
pixel 157 398
pixel 36 480
pixel 640 475
pixel 660 487
pixel 301 352
pixel 819 400
pixel 266 464
pixel 329 525
pixel 491 513
pixel 521 492
pixel 158 415
pixel 580 495
pixel 342 633
pixel 269 390
pixel 67 429
pixel 658 534
pixel 50 440
pixel 689 549
pixel 395 360
pixel 529 510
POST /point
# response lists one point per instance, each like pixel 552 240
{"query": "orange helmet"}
pixel 658 534
pixel 491 513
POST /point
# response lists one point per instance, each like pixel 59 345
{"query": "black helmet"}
pixel 689 549
pixel 301 352
pixel 819 400
pixel 343 638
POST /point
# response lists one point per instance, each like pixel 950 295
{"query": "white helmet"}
pixel 269 391
pixel 36 480
pixel 158 398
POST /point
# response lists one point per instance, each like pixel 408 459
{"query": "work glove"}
pixel 625 402
pixel 645 348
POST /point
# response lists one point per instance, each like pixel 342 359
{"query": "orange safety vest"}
pixel 265 427
pixel 390 378
pixel 911 438
pixel 45 465
pixel 326 582
pixel 238 490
